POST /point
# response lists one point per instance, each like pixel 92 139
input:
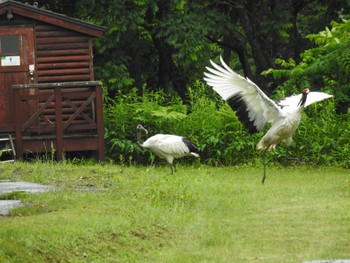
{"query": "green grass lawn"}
pixel 111 213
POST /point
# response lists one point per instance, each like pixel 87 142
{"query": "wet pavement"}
pixel 7 205
pixel 9 187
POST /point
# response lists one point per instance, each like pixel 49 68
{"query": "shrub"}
pixel 321 139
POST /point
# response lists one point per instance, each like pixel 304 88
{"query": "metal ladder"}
pixel 7 149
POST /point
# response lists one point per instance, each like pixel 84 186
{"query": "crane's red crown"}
pixel 306 90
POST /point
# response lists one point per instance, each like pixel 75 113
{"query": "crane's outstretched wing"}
pixel 312 97
pixel 253 108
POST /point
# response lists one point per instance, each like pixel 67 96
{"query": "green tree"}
pixel 166 44
pixel 151 43
pixel 258 32
pixel 326 66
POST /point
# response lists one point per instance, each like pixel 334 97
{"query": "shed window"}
pixel 9 45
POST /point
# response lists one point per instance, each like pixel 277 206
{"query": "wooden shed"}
pixel 49 100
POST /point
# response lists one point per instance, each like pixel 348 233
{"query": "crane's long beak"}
pixel 142 128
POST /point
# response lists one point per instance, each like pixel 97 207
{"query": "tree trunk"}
pixel 169 75
pixel 248 18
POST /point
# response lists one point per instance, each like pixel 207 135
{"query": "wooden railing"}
pixel 68 113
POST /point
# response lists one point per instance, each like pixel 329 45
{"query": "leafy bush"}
pixel 153 110
pixel 322 138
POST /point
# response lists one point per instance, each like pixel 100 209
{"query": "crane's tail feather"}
pixel 194 154
pixel 193 150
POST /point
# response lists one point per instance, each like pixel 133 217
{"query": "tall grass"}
pixel 115 213
pixel 322 138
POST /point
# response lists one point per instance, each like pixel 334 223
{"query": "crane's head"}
pixel 303 97
pixel 139 128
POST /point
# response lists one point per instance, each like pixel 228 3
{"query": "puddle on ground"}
pixel 9 187
pixel 7 205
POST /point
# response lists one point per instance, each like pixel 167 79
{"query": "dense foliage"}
pixel 167 43
pixel 322 138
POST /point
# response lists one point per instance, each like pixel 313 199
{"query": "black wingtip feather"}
pixel 190 145
pixel 240 107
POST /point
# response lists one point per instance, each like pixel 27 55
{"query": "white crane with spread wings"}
pixel 254 109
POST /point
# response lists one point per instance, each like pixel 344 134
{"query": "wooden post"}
pixel 59 124
pixel 18 122
pixel 99 122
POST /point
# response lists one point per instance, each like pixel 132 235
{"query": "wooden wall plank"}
pixel 61 52
pixel 63 65
pixel 80 45
pixel 63 39
pixel 65 78
pixel 63 59
pixel 58 72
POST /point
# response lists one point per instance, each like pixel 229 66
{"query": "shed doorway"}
pixel 17 66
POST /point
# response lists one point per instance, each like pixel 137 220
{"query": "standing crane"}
pixel 168 146
pixel 254 109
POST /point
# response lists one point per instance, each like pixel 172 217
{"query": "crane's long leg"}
pixel 264 161
pixel 173 168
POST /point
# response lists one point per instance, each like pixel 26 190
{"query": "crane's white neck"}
pixel 139 129
pixel 139 140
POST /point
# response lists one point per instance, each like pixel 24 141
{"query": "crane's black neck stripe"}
pixel 302 100
pixel 190 145
pixel 240 107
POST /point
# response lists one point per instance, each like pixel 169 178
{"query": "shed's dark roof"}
pixel 50 17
